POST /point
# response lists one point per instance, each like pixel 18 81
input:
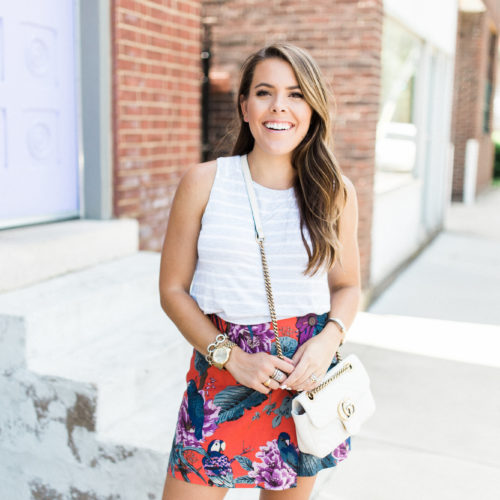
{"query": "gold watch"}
pixel 220 355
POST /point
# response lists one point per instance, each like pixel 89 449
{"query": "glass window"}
pixel 488 91
pixel 396 130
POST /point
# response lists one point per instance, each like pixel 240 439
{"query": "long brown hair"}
pixel 320 190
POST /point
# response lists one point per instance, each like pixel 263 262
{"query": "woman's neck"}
pixel 272 171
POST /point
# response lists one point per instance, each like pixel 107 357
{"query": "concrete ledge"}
pixel 32 254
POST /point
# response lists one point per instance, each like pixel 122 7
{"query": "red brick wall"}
pixel 156 107
pixel 471 64
pixel 345 39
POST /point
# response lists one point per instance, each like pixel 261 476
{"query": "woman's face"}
pixel 276 110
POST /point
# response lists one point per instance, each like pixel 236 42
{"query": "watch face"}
pixel 221 354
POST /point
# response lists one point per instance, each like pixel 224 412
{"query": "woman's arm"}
pixel 178 263
pixel 179 256
pixel 315 355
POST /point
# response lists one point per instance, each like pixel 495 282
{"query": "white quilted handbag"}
pixel 326 416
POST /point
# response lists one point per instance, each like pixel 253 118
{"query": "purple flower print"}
pixel 185 430
pixel 255 339
pixel 341 452
pixel 272 470
pixel 306 326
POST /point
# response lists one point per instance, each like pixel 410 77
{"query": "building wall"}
pixel 344 37
pixel 156 108
pixel 471 66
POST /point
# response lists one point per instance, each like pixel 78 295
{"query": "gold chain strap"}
pixel 269 293
pixel 348 366
pixel 272 311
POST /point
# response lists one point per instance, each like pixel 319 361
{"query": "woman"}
pixel 234 428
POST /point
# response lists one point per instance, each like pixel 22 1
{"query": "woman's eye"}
pixel 295 95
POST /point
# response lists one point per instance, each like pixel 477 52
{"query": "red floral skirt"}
pixel 231 436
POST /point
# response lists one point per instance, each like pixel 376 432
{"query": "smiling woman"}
pixel 234 428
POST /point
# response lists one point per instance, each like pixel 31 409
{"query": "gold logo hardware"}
pixel 346 409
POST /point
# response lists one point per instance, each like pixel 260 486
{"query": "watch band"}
pixel 228 345
pixel 220 339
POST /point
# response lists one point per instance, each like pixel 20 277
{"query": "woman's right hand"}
pixel 252 370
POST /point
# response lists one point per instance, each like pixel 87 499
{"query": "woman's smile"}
pixel 278 126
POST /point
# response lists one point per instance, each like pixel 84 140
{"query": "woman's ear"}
pixel 243 105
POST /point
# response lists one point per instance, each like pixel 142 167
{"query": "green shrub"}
pixel 496 169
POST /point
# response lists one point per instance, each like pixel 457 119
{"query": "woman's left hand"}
pixel 312 359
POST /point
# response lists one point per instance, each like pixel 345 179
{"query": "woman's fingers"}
pixel 259 371
pixel 270 384
pixel 296 376
pixel 285 365
pixel 310 384
pixel 300 379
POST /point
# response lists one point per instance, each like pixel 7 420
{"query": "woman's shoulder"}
pixel 348 183
pixel 197 181
pixel 194 187
pixel 350 188
pixel 350 208
pixel 199 176
pixel 205 172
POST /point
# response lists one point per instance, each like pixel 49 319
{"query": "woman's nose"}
pixel 278 104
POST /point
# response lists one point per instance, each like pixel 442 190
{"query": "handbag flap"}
pixel 347 397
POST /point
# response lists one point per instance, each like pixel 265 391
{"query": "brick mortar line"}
pixel 154 5
pixel 164 37
pixel 131 172
pixel 162 76
pixel 176 93
pixel 153 89
pixel 140 118
pixel 124 174
pixel 154 48
pixel 167 10
pixel 163 122
pixel 127 115
pixel 149 31
pixel 158 131
pixel 170 66
pixel 135 88
pixel 145 131
pixel 150 103
pixel 149 158
pixel 161 141
pixel 127 58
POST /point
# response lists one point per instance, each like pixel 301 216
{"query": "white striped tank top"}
pixel 228 279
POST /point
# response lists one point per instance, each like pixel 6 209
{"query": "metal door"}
pixel 39 178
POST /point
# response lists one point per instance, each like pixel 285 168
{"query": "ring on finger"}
pixel 313 378
pixel 267 383
pixel 278 375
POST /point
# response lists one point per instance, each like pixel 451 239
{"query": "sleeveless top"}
pixel 228 278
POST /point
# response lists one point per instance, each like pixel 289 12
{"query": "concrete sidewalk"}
pixel 431 343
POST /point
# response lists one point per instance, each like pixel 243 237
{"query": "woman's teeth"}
pixel 278 126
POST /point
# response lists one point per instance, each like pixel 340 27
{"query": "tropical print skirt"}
pixel 231 436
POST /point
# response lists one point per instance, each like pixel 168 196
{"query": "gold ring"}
pixel 278 375
pixel 314 378
pixel 267 383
